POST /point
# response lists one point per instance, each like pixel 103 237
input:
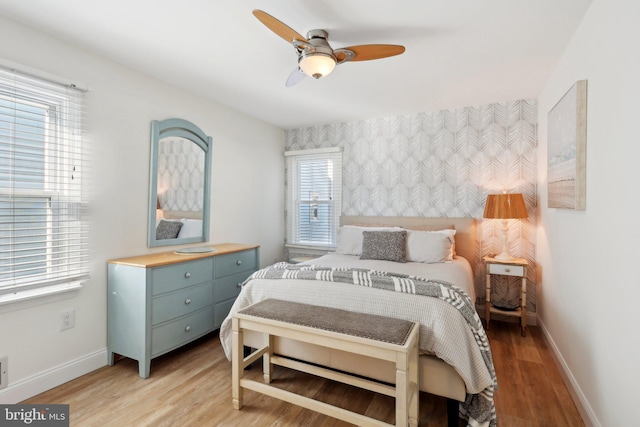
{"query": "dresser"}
pixel 159 302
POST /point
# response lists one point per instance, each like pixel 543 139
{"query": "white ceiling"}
pixel 458 52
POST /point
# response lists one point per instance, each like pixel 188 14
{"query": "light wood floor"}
pixel 192 387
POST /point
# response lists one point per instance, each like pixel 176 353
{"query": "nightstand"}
pixel 515 268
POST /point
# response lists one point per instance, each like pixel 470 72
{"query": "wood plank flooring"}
pixel 192 387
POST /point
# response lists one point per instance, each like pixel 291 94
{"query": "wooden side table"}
pixel 515 268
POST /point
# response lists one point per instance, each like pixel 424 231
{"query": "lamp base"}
pixel 504 256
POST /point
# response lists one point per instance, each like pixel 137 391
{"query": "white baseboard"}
pixel 582 404
pixel 46 380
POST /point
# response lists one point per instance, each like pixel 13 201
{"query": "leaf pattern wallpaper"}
pixel 442 164
pixel 180 175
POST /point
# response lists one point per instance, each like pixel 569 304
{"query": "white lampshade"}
pixel 317 64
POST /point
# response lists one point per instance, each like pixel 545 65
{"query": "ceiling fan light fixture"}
pixel 317 64
pixel 316 58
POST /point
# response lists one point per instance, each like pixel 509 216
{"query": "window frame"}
pixel 294 202
pixel 61 103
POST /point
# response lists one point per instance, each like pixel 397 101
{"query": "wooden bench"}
pixel 381 337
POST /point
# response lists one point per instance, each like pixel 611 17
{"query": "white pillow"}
pixel 350 238
pixel 430 246
pixel 190 228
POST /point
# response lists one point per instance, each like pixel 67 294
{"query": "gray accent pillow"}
pixel 168 229
pixel 384 245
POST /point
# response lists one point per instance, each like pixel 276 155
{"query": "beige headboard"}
pixel 182 214
pixel 465 228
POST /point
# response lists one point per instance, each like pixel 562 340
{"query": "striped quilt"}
pixel 478 409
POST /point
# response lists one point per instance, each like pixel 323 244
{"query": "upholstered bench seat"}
pixel 375 336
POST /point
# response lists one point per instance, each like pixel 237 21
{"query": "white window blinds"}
pixel 314 196
pixel 43 231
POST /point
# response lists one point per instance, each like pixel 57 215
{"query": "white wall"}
pixel 247 198
pixel 588 295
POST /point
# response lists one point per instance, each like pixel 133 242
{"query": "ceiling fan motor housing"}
pixel 317 52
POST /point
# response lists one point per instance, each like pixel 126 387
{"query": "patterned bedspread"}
pixel 450 326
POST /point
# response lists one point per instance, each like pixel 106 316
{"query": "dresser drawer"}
pixel 235 262
pixel 182 330
pixel 222 309
pixel 185 301
pixel 229 286
pixel 506 270
pixel 177 276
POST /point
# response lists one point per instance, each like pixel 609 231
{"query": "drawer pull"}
pixel 239 262
pixel 187 329
pixel 187 301
pixel 239 285
pixel 187 274
pixel 507 270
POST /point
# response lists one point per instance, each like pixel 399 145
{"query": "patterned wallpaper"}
pixel 180 175
pixel 442 164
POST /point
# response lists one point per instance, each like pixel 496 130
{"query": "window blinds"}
pixel 314 195
pixel 43 230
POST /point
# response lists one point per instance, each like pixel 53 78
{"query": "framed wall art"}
pixel 567 146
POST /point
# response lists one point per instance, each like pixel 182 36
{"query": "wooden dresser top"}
pixel 171 257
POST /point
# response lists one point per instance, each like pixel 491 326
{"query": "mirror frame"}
pixel 185 129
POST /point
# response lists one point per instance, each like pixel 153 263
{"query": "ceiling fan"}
pixel 316 58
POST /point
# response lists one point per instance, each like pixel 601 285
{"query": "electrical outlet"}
pixel 67 319
pixel 4 372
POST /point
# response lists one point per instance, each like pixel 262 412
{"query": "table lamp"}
pixel 505 207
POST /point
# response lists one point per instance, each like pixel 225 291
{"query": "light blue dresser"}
pixel 159 302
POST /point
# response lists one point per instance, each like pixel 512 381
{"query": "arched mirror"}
pixel 179 179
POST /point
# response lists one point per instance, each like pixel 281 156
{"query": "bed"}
pixel 455 359
pixel 178 224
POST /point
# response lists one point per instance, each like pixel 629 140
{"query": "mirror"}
pixel 180 173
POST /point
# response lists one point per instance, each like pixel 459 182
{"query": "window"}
pixel 43 232
pixel 314 196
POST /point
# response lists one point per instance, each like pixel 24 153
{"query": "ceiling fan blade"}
pixel 367 52
pixel 295 77
pixel 278 27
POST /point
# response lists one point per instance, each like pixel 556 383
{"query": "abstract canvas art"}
pixel 567 140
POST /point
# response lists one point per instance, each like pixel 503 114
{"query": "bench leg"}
pixel 267 367
pixel 414 398
pixel 237 370
pixel 407 392
pixel 402 396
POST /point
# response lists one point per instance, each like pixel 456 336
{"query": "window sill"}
pixel 320 248
pixel 32 297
